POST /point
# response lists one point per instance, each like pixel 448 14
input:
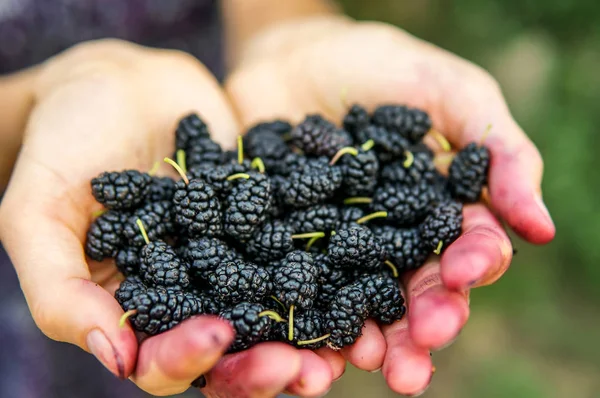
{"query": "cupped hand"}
pixel 110 105
pixel 324 65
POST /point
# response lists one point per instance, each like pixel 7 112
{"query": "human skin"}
pixel 112 105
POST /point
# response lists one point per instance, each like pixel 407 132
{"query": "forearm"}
pixel 16 100
pixel 245 18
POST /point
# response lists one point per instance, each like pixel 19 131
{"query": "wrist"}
pixel 16 101
pixel 292 33
pixel 247 19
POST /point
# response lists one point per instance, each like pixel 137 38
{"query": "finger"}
pixel 368 350
pixel 436 315
pixel 335 359
pixel 53 274
pixel 480 255
pixel 169 362
pixel 315 377
pixel 262 371
pixel 407 367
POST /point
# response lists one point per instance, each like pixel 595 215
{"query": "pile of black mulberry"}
pixel 297 236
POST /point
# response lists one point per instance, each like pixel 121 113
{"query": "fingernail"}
pixel 543 209
pixel 105 352
pixel 375 371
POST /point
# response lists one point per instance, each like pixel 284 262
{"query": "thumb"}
pixel 45 248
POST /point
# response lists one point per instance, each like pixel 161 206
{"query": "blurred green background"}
pixel 535 332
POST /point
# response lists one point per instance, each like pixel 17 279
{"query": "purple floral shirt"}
pixel 31 365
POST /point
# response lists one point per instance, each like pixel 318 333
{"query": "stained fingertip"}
pixel 518 200
pixel 436 317
pixel 263 370
pixel 186 350
pixel 368 351
pixel 335 359
pixel 315 376
pixel 480 255
pixel 407 368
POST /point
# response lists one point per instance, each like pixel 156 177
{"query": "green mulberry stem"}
pixel 273 315
pixel 368 217
pixel 485 134
pixel 312 241
pixel 309 235
pixel 291 324
pixel 154 168
pixel 240 153
pixel 237 176
pixel 368 145
pixel 142 230
pixel 344 151
pixel 257 163
pixel 392 267
pixel 179 169
pixel 279 302
pixel 181 160
pixel 439 137
pixel 306 342
pixel 126 316
pixel 98 213
pixel 410 158
pixel 438 249
pixel 357 200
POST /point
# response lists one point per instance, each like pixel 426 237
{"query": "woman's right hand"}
pixel 110 105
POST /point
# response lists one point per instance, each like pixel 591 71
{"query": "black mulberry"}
pixel 157 218
pixel 420 169
pixel 315 183
pixel 121 190
pixel 360 173
pixel 105 235
pixel 270 242
pixel 346 315
pixel 331 280
pixel 162 188
pixel 203 151
pixel 355 247
pixel 247 206
pixel 160 266
pixel 411 123
pixel 295 282
pixel 407 205
pixel 468 173
pixel 238 281
pixel 128 260
pixel 190 127
pixel 156 310
pixel 403 246
pixel 250 327
pixel 442 226
pixel 389 145
pixel 197 208
pixel 317 218
pixel 356 119
pixel 384 297
pixel 206 254
pixel 319 137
